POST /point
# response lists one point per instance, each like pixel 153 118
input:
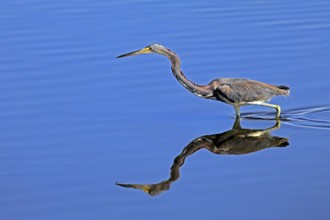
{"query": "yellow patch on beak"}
pixel 146 189
pixel 142 51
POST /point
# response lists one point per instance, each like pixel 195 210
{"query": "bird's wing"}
pixel 243 91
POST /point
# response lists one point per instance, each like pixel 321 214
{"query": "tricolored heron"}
pixel 233 91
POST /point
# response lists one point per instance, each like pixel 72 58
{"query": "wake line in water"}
pixel 312 117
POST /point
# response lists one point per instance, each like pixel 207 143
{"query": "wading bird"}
pixel 234 91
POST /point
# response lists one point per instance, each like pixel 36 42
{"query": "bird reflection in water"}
pixel 235 141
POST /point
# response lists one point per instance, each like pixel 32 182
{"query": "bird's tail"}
pixel 284 90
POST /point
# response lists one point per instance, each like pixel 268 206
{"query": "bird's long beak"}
pixel 144 50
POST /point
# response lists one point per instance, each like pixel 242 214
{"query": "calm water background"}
pixel 75 120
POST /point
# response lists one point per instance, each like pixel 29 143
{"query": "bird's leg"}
pixel 237 110
pixel 237 124
pixel 275 127
pixel 277 107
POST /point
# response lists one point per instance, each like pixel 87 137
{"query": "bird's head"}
pixel 152 48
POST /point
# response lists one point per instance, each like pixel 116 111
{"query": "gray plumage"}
pixel 233 91
pixel 244 91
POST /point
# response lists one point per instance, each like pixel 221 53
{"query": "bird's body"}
pixel 233 91
pixel 236 91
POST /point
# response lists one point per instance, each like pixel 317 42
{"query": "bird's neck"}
pixel 194 88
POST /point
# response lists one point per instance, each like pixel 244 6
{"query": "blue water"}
pixel 75 120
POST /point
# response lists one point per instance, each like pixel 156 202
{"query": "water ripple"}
pixel 311 117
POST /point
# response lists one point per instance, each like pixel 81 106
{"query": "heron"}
pixel 234 91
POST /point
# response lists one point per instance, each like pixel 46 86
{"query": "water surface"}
pixel 75 120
